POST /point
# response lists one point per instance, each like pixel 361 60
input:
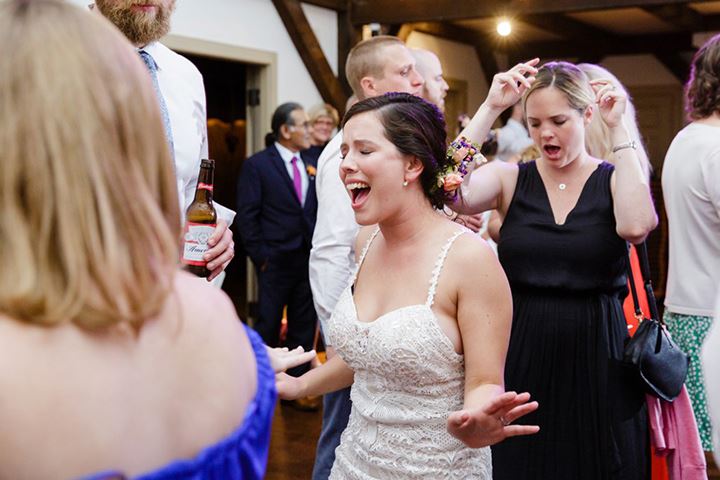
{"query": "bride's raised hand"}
pixel 508 87
pixel 492 423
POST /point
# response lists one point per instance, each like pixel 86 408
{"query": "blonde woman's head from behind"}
pixel 88 204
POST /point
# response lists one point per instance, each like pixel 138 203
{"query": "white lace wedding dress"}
pixel 408 379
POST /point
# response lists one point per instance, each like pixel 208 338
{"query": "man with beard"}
pixel 181 94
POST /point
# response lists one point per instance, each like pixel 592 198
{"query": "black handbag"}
pixel 661 365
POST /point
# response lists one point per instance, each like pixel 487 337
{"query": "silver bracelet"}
pixel 631 144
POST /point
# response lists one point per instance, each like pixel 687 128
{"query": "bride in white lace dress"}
pixel 422 330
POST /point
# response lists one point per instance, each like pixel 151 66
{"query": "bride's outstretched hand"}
pixel 508 87
pixel 493 422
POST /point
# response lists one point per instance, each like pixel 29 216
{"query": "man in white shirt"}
pixel 182 100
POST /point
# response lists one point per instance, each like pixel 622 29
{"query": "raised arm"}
pixel 331 376
pixel 482 189
pixel 484 319
pixel 635 215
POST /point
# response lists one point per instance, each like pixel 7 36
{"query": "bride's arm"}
pixel 331 376
pixel 484 319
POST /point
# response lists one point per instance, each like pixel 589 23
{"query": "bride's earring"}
pixel 405 184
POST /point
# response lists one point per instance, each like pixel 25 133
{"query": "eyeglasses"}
pixel 305 126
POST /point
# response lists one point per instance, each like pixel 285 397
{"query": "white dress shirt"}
pixel 287 155
pixel 691 189
pixel 512 140
pixel 332 258
pixel 182 88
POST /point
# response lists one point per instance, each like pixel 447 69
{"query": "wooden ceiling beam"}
pixel 567 27
pixel 399 11
pixel 624 45
pixel 404 31
pixel 337 5
pixel 308 47
pixel 680 16
pixel 348 36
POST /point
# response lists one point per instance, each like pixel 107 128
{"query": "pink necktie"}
pixel 297 179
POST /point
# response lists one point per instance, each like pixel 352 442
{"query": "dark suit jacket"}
pixel 270 219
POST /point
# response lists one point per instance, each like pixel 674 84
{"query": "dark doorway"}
pixel 225 90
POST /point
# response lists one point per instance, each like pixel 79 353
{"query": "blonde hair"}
pixel 597 135
pixel 88 204
pixel 365 59
pixel 324 110
pixel 568 79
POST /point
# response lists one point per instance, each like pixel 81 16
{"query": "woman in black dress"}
pixel 567 218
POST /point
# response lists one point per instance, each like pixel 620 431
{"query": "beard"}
pixel 138 26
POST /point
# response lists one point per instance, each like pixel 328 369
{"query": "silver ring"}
pixel 504 421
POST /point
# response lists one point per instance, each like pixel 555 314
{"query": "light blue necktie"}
pixel 152 68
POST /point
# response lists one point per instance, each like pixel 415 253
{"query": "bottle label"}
pixel 196 242
pixel 205 186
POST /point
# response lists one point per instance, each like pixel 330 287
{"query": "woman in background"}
pixel 563 245
pixel 691 189
pixel 599 144
pixel 324 120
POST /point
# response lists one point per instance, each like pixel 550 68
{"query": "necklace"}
pixel 562 186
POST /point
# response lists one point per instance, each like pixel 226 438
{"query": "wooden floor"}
pixel 295 434
pixel 292 445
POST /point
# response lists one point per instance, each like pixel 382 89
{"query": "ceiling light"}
pixel 504 28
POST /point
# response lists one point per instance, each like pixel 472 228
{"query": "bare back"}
pixel 85 402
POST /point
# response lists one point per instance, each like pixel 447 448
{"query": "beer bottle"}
pixel 200 222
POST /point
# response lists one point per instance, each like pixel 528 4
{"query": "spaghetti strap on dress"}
pixel 408 379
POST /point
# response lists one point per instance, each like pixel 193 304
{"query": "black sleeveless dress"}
pixel 568 331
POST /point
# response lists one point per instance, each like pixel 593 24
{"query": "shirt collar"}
pixel 155 52
pixel 287 154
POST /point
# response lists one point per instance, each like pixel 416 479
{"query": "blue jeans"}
pixel 336 412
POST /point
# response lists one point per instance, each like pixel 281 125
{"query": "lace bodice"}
pixel 408 379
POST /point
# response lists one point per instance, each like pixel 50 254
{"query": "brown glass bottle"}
pixel 200 222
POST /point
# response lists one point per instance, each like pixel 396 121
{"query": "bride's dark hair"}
pixel 416 128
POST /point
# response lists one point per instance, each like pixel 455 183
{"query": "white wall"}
pixel 256 24
pixel 459 61
pixel 639 70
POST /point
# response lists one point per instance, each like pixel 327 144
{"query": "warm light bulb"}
pixel 504 28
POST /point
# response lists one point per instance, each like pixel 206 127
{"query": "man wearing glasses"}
pixel 276 207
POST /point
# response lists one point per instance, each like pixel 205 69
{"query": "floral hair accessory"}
pixel 465 156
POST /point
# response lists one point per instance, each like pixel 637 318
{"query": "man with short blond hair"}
pixel 435 88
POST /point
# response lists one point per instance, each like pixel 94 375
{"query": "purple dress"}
pixel 240 456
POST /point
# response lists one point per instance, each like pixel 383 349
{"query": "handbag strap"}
pixel 641 249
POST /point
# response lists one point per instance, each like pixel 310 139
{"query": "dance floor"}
pixel 292 448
